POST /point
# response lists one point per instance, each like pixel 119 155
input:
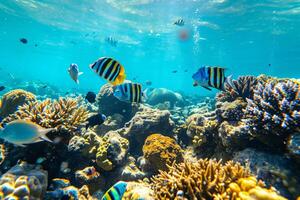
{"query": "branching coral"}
pixel 11 100
pixel 160 151
pixel 275 107
pixel 205 179
pixel 63 114
pixel 242 87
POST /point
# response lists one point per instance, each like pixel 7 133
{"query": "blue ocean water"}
pixel 247 37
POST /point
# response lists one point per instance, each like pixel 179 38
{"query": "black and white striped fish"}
pixel 129 92
pixel 109 69
pixel 208 77
pixel 179 22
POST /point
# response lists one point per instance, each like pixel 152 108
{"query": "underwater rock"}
pixel 130 171
pixel 13 99
pixel 274 112
pixel 293 146
pixel 204 179
pixel 111 123
pixel 145 122
pixel 63 114
pixel 275 170
pixel 2 153
pixel 160 151
pixel 108 104
pixel 161 95
pixel 23 181
pixel 90 177
pixel 138 191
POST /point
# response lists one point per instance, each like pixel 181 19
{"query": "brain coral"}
pixel 160 151
pixel 64 114
pixel 23 181
pixel 13 99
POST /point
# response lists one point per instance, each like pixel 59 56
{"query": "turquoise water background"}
pixel 247 37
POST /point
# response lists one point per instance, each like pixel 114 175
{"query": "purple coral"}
pixel 275 107
pixel 242 87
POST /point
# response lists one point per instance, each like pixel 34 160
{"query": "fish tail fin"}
pixel 80 73
pixel 77 81
pixel 228 79
pixel 43 133
pixel 119 80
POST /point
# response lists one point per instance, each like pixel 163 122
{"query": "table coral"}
pixel 204 179
pixel 23 181
pixel 160 151
pixel 63 114
pixel 13 99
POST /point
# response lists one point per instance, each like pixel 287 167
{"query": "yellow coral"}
pixel 205 179
pixel 137 191
pixel 159 151
pixel 250 189
pixel 64 114
pixel 13 99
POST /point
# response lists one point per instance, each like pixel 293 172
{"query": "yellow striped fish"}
pixel 208 77
pixel 116 192
pixel 129 92
pixel 109 69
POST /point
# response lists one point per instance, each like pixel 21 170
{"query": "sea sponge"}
pixel 205 179
pixel 23 181
pixel 159 151
pixel 250 189
pixel 13 99
pixel 63 114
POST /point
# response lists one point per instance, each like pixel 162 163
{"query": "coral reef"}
pixel 90 177
pixel 160 151
pixel 242 87
pixel 13 99
pixel 137 191
pixel 157 96
pixel 108 104
pixel 210 179
pixel 64 114
pixel 293 145
pixel 205 179
pixel 274 169
pixel 2 153
pixel 108 151
pixel 23 181
pixel 231 111
pixel 250 188
pixel 131 171
pixel 274 111
pixel 111 123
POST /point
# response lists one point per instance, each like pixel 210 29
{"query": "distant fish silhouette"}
pixel 91 97
pixel 23 40
pixel 174 71
pixel 2 88
pixel 179 22
pixel 148 82
pixel 94 120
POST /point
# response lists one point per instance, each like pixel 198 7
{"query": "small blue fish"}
pixel 116 192
pixel 74 72
pixel 208 77
pixel 20 132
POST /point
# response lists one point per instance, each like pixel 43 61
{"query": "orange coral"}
pixel 161 150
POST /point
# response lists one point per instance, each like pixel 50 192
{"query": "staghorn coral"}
pixel 160 151
pixel 23 181
pixel 242 87
pixel 204 179
pixel 108 151
pixel 249 189
pixel 13 99
pixel 64 114
pixel 274 109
